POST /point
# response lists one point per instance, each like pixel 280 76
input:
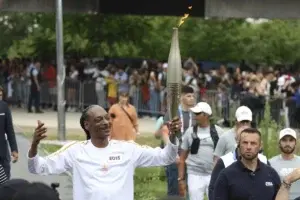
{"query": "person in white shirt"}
pixel 283 193
pixel 287 161
pixel 102 169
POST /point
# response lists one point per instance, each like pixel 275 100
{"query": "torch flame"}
pixel 182 19
pixel 185 16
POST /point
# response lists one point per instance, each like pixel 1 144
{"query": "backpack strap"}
pixel 195 130
pixel 214 135
pixel 196 141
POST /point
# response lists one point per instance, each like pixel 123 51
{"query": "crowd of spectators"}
pixel 90 81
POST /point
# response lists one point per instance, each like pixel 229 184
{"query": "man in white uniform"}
pixel 102 169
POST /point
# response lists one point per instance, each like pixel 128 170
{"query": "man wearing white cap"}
pixel 198 146
pixel 227 142
pixel 286 162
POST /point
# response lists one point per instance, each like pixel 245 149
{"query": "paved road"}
pixel 19 170
pixel 23 119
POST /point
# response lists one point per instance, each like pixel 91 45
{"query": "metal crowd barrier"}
pixel 81 94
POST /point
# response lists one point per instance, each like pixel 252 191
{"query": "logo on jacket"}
pixel 104 167
pixel 269 184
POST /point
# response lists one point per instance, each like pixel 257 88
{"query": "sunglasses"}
pixel 244 122
pixel 201 113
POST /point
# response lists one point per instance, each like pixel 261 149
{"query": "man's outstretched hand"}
pixel 38 135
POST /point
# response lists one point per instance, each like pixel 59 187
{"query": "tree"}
pixel 26 34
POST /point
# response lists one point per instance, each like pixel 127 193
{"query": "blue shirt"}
pixel 296 98
pixel 237 182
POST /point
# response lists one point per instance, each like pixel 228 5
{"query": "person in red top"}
pixel 50 77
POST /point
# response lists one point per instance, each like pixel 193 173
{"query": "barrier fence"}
pixel 78 95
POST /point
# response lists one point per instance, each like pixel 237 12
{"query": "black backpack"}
pixel 196 140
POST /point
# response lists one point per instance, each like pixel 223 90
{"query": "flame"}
pixel 185 16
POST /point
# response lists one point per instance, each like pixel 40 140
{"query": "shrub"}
pixel 148 185
pixel 269 130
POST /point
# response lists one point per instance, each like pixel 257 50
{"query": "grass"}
pixel 72 134
pixel 78 134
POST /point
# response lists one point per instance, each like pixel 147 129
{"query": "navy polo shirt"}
pixel 236 182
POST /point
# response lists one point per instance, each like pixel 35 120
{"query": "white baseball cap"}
pixel 281 81
pixel 243 113
pixel 202 107
pixel 287 131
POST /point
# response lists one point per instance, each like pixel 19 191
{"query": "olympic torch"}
pixel 174 78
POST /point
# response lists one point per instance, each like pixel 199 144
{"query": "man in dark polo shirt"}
pixel 247 178
pixel 228 159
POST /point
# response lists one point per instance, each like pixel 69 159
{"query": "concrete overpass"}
pixel 210 8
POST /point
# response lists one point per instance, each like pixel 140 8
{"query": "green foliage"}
pixel 147 184
pixel 149 37
pixel 269 130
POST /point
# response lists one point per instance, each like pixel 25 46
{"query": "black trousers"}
pixel 34 96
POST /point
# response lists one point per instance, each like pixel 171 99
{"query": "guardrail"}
pixel 147 102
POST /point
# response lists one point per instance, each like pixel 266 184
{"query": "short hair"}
pixel 83 118
pixel 37 191
pixel 124 94
pixel 187 89
pixel 251 130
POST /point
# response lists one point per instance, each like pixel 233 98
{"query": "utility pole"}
pixel 61 73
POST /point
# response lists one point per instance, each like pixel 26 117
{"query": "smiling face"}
pixel 98 123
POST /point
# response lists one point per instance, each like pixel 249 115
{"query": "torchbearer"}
pixel 102 169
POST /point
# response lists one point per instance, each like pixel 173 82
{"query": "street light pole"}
pixel 61 73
